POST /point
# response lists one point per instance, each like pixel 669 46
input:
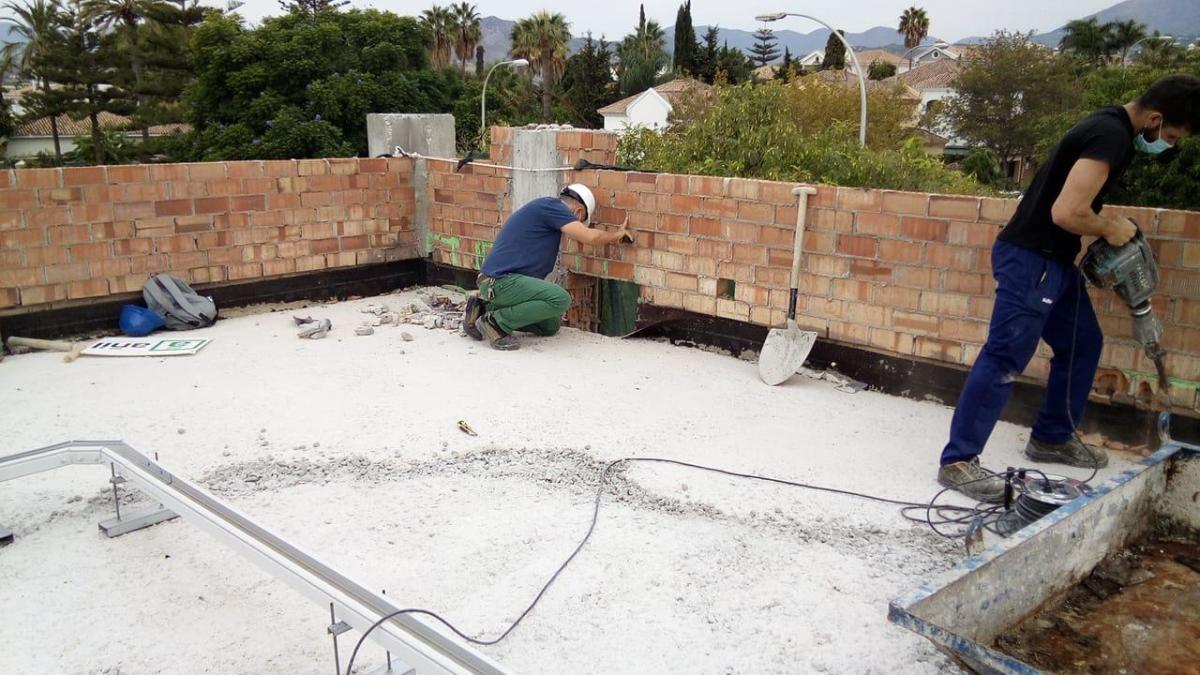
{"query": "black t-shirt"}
pixel 1107 136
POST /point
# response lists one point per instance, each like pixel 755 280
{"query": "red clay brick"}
pixel 173 207
pixel 905 203
pixel 862 247
pixel 756 212
pixel 84 175
pixel 918 323
pixel 60 195
pixel 830 220
pixel 940 350
pixel 39 295
pixel 945 304
pixel 997 211
pixel 881 224
pixel 21 276
pixel 851 289
pixel 909 253
pixel 952 257
pixel 870 269
pixel 60 274
pixel 706 227
pixel 18 199
pixel 897 297
pixel 38 178
pixel 959 208
pixel 925 229
pixel 91 252
pixel 134 210
pixel 858 199
pixel 971 283
pixel 749 254
pixel 47 216
pixel 128 174
pixel 706 186
pixel 203 172
pixel 777 193
pixel 322 246
pixel 168 172
pixel 211 205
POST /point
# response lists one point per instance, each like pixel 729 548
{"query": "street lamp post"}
pixel 1133 46
pixel 516 63
pixel 862 81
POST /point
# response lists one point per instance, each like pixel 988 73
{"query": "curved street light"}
pixel 862 82
pixel 516 63
pixel 1133 46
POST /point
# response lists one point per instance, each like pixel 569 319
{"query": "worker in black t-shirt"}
pixel 1040 293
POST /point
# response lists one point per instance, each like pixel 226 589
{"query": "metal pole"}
pixel 483 98
pixel 862 80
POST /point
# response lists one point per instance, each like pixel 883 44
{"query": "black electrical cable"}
pixel 966 515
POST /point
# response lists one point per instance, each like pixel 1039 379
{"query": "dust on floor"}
pixel 349 447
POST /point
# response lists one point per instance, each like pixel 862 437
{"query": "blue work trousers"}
pixel 1036 299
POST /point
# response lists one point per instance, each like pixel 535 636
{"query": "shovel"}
pixel 786 348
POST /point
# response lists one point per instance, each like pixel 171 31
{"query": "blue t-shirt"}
pixel 529 241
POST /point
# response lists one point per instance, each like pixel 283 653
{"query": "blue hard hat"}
pixel 138 321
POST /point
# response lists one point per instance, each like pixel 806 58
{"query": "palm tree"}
pixel 1125 34
pixel 39 23
pixel 468 32
pixel 914 26
pixel 440 22
pixel 640 56
pixel 1089 39
pixel 542 39
pixel 128 17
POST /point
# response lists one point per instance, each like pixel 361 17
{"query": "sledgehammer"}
pixel 72 349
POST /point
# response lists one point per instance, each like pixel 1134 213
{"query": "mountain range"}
pixel 1179 18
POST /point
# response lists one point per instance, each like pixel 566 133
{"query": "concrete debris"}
pixel 303 320
pixel 466 428
pixel 377 310
pixel 364 330
pixel 840 382
pixel 315 330
pixel 407 337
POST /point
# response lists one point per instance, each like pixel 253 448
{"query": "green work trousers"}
pixel 521 303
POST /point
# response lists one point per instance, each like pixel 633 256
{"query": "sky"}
pixel 949 19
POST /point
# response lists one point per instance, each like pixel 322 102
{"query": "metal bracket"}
pixel 115 527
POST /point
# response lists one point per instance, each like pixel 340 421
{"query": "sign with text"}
pixel 127 346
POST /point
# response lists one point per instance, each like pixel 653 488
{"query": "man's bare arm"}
pixel 1072 211
pixel 586 235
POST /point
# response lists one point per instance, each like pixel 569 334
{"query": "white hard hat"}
pixel 584 194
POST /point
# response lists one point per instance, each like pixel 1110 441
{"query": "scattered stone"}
pixel 182 431
pixel 316 444
pixel 364 330
pixel 253 478
pixel 407 337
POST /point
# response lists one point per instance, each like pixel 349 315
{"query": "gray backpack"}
pixel 178 304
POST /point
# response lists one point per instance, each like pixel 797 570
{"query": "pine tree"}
pixel 86 63
pixel 835 53
pixel 766 47
pixel 687 50
pixel 588 82
pixel 733 65
pixel 789 68
pixel 167 71
pixel 479 61
pixel 706 67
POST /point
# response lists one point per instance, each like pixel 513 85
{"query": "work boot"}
pixel 1071 453
pixel 973 481
pixel 491 330
pixel 471 314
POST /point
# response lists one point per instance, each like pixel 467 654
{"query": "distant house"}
pixel 813 59
pixel 34 137
pixel 650 109
pixel 934 82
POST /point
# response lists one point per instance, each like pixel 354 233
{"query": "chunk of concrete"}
pixel 426 134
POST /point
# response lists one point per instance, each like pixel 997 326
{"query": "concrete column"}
pixel 535 149
pixel 429 135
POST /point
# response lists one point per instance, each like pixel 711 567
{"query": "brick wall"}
pixel 902 273
pixel 80 233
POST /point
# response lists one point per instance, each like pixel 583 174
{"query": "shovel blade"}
pixel 783 353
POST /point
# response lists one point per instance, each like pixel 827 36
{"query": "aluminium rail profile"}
pixel 415 642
